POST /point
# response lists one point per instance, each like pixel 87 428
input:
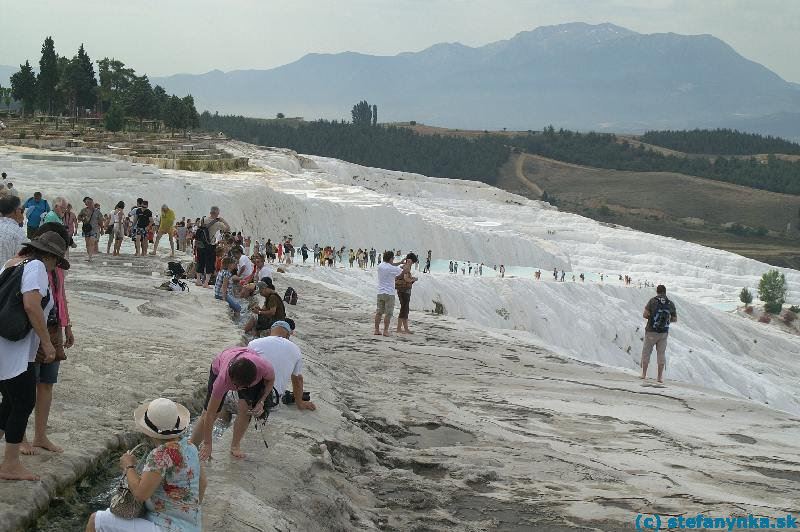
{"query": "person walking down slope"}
pixel 660 312
pixel 387 273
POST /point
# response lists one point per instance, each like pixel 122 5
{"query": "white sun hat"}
pixel 162 419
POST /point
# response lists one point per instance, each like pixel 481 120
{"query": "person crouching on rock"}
pixel 173 480
pixel 236 369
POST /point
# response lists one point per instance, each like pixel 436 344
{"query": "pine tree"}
pixel 86 86
pixel 23 88
pixel 115 118
pixel 140 99
pixel 374 115
pixel 746 297
pixel 48 76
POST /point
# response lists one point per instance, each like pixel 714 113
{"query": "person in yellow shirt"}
pixel 165 228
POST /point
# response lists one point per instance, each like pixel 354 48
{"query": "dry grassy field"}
pixel 689 208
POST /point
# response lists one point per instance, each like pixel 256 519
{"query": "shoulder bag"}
pixel 123 504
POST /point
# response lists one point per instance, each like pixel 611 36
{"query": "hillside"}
pixel 579 76
pixel 676 205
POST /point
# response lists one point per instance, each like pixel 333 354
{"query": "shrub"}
pixel 765 318
pixel 795 309
pixel 746 297
pixel 749 310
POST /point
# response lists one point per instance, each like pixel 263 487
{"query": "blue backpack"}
pixel 662 317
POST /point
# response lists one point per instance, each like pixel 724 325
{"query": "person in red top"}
pixel 235 369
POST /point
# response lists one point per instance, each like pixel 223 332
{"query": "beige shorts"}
pixel 659 340
pixel 386 304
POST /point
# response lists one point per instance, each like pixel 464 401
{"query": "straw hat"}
pixel 161 419
pixel 52 243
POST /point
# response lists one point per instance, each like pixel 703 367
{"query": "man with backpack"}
pixel 659 313
pixel 205 243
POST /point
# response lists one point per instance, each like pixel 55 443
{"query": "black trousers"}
pixel 206 257
pixel 19 398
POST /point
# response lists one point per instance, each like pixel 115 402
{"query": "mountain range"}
pixel 581 76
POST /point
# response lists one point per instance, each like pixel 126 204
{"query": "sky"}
pixel 162 37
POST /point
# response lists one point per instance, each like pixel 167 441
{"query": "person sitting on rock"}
pixel 272 311
pixel 173 479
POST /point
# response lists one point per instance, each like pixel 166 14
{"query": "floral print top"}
pixel 175 505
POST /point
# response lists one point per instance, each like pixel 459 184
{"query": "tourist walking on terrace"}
pixel 387 273
pixel 18 347
pixel 659 313
pixel 59 329
pixel 204 241
pixel 35 208
pixel 90 217
pixel 118 223
pixel 172 482
pixel 236 369
pixel 165 225
pixel 403 284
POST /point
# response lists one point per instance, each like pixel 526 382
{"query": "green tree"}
pixel 23 88
pixel 160 101
pixel 48 76
pixel 173 114
pixel 746 297
pixel 189 117
pixel 374 115
pixel 85 80
pixel 115 79
pixel 140 99
pixel 362 114
pixel 772 291
pixel 115 118
pixel 280 115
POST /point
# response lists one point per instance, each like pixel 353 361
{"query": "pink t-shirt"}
pixel 220 365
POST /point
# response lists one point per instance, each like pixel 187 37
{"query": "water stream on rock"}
pixel 71 509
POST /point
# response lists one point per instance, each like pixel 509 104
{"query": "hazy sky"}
pixel 161 37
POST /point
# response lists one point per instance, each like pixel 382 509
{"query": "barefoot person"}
pixel 90 217
pixel 659 313
pixel 205 244
pixel 17 375
pixel 285 357
pixel 173 481
pixel 387 272
pixel 235 369
pixel 61 336
pixel 165 227
pixel 403 284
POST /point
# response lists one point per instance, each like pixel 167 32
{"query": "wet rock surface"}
pixel 452 428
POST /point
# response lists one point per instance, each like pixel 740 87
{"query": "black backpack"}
pixel 176 269
pixel 14 322
pixel 202 237
pixel 662 316
pixel 290 296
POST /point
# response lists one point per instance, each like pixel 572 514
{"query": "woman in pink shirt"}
pixel 236 369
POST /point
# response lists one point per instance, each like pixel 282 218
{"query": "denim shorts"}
pixel 46 373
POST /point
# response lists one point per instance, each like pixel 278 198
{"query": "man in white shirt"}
pixel 11 233
pixel 285 357
pixel 387 272
pixel 245 265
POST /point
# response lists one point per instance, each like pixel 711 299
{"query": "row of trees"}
pixel 720 142
pixel 70 86
pixel 389 147
pixel 604 151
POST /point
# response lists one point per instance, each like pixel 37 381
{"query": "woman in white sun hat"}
pixel 173 481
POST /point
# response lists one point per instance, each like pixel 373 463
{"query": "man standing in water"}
pixel 387 273
pixel 659 313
